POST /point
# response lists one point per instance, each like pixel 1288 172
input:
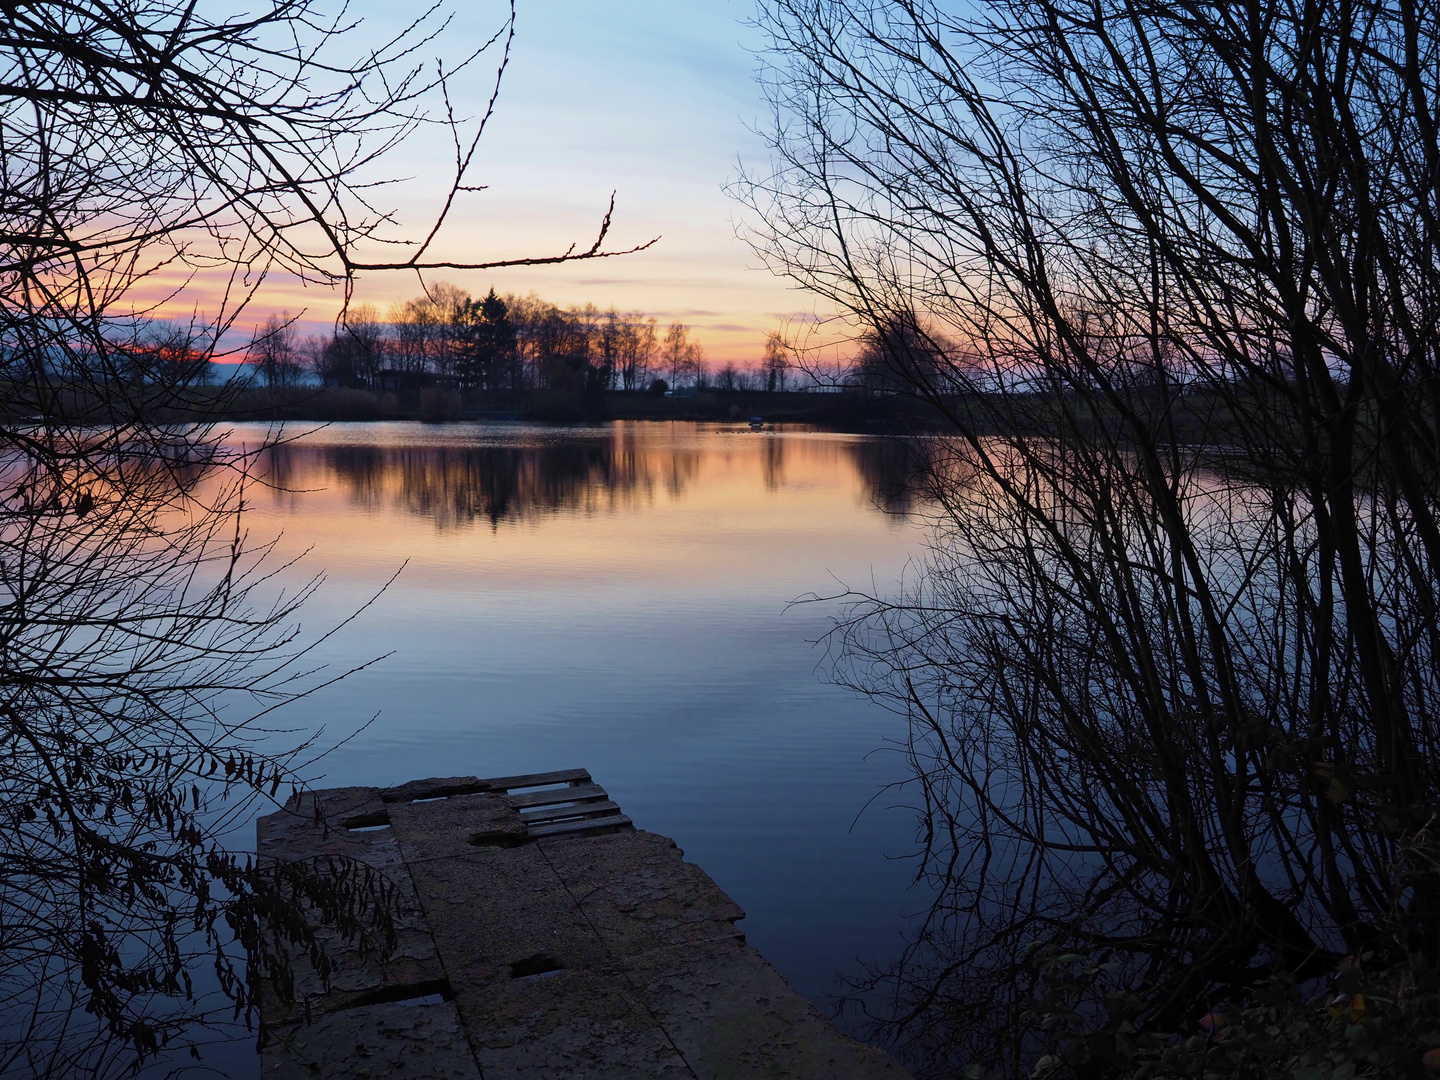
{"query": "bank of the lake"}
pixel 836 411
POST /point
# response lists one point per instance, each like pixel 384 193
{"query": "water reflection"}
pixel 893 471
pixel 509 476
pixel 621 598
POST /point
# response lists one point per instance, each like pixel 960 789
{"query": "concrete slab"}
pixel 639 894
pixel 376 1042
pixel 570 1025
pixel 541 938
pixel 733 1016
pixel 315 829
pixel 491 911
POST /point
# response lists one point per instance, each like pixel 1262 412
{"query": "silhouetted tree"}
pixel 637 349
pixel 730 378
pixel 146 139
pixel 487 343
pixel 897 356
pixel 610 345
pixel 355 353
pixel 427 331
pixel 683 358
pixel 674 351
pixel 697 368
pixel 161 355
pixel 775 364
pixel 1172 672
pixel 275 353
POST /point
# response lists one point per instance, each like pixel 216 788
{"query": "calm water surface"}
pixel 619 598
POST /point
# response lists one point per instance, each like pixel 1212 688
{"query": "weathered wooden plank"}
pixel 554 795
pixel 565 828
pixel 560 776
pixel 558 813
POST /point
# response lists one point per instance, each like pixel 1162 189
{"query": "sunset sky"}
pixel 650 99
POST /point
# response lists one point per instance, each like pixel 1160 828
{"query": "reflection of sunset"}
pixel 659 502
pixel 620 597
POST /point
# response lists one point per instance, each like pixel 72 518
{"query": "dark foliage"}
pixel 1171 669
pixel 144 147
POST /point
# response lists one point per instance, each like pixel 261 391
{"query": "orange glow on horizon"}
pixel 728 337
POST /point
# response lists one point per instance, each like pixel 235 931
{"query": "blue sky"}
pixel 654 100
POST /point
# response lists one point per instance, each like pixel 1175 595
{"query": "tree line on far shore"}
pixel 503 343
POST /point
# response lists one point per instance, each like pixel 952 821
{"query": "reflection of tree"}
pixel 773 460
pixel 892 471
pixel 459 485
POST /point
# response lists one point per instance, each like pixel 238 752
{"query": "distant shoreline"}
pixel 835 410
pixel 850 410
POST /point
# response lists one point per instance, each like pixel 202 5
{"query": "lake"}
pixel 622 598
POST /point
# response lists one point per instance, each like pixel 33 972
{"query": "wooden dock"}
pixel 542 937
